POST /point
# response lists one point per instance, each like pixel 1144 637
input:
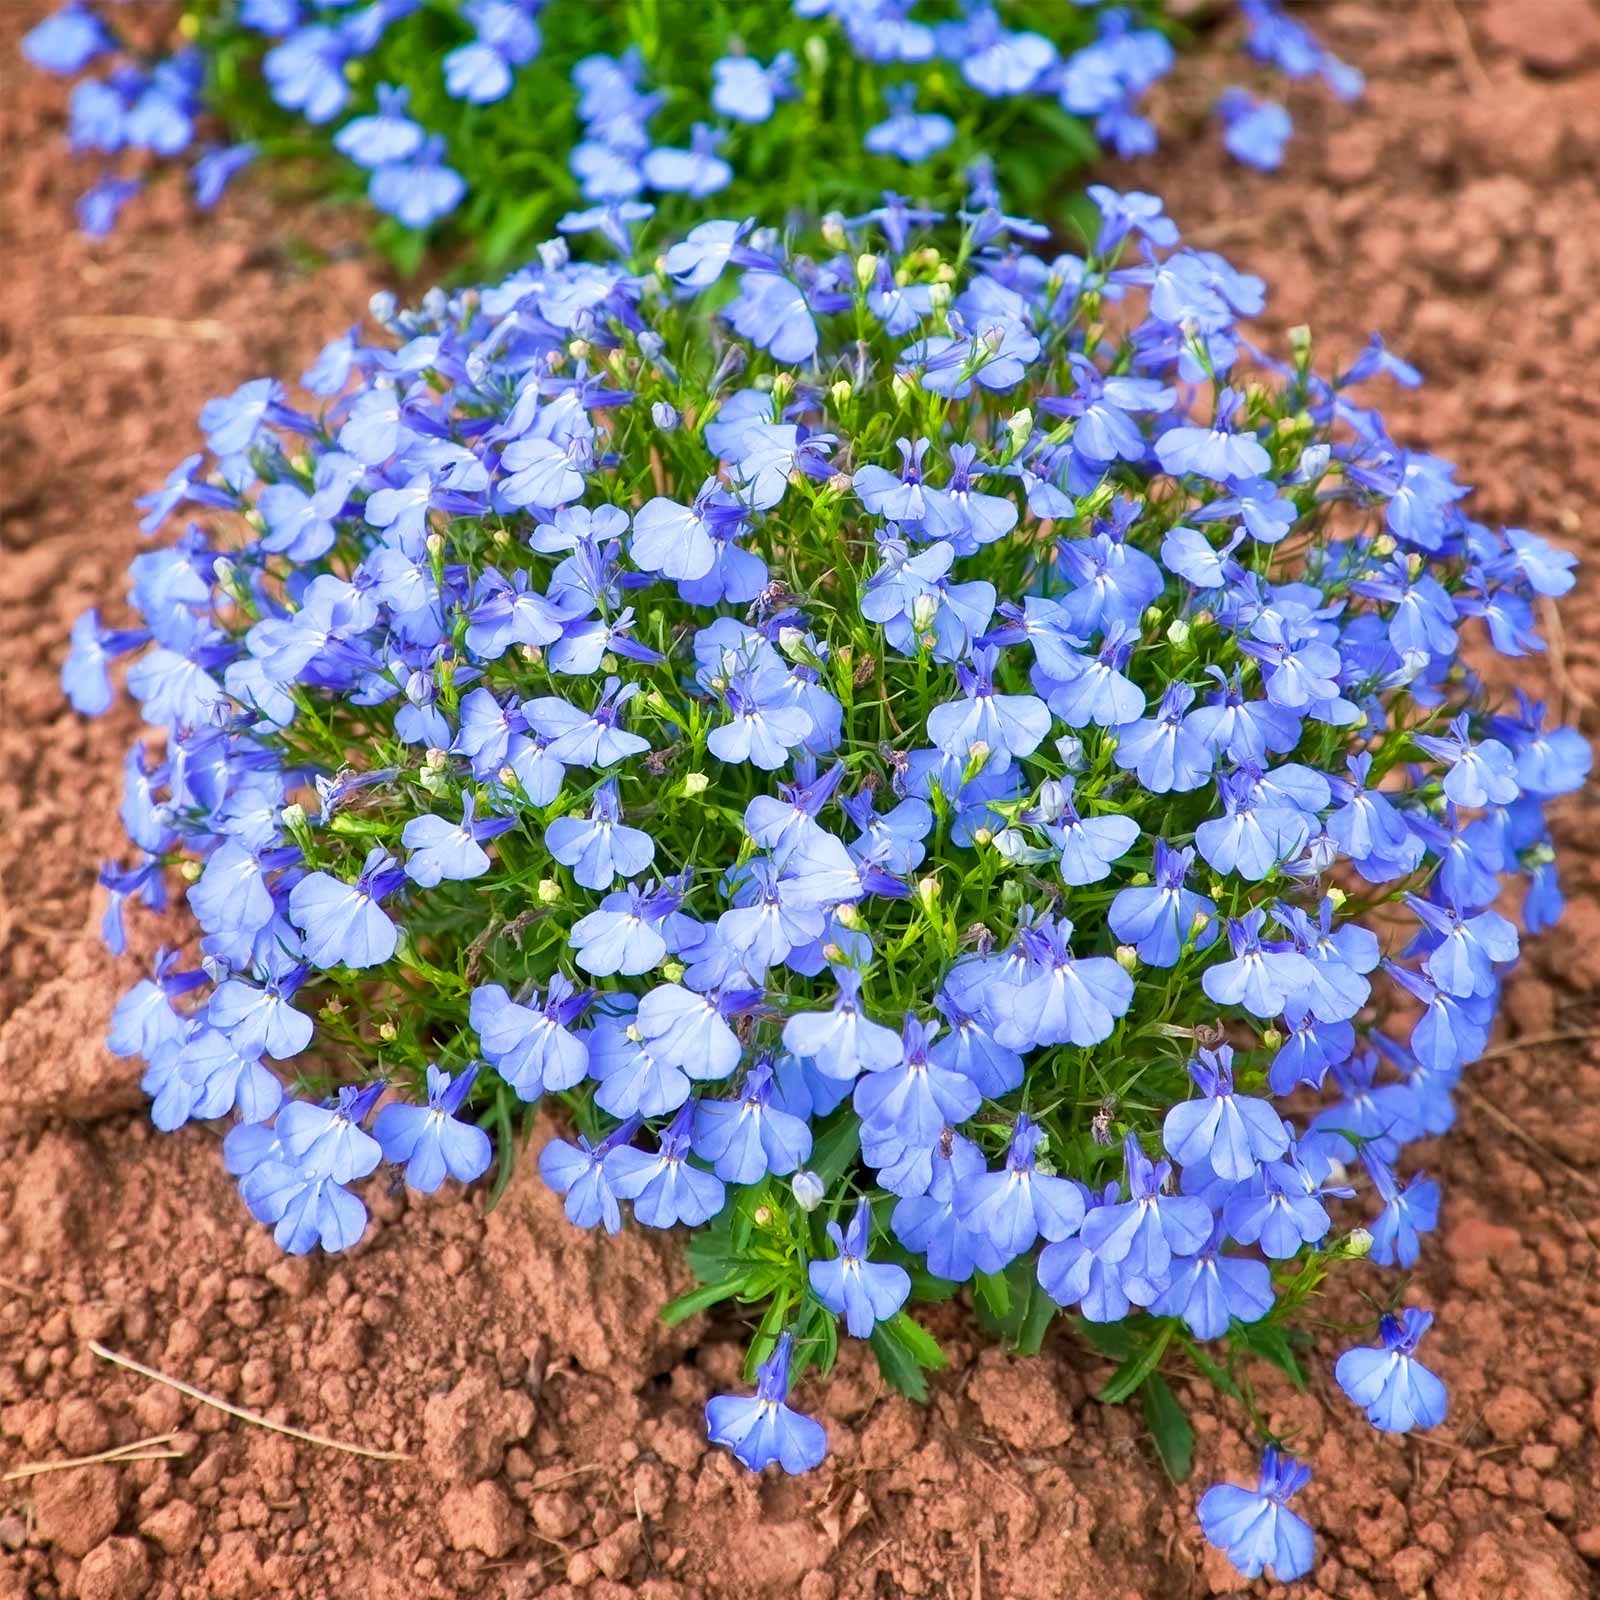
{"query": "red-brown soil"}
pixel 555 1425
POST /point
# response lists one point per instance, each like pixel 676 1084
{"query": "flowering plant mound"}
pixel 454 107
pixel 943 765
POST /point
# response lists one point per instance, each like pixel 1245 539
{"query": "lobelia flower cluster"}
pixel 943 765
pixel 434 102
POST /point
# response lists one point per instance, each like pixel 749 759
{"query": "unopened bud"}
pixel 293 816
pixel 850 916
pixel 435 545
pixel 833 234
pixel 1337 896
pixel 807 1189
pixel 1271 1038
pixel 1202 920
pixel 531 653
pixel 578 349
pixel 436 760
pixel 900 386
pixel 1020 427
pixel 672 971
pixel 387 1031
pixel 1357 1243
pixel 1127 957
pixel 840 392
pixel 924 612
pixel 549 891
pixel 191 871
pixel 696 783
pixel 1178 632
pixel 939 297
pixel 928 891
pixel 866 268
pixel 762 1216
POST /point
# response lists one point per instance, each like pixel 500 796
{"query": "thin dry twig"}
pixel 1459 36
pixel 204 330
pixel 561 1477
pixel 1544 1152
pixel 151 1449
pixel 1512 1046
pixel 240 1412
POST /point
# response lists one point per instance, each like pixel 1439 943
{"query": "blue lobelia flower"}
pixel 910 1098
pixel 665 1188
pixel 907 133
pixel 1162 919
pixel 419 190
pixel 746 91
pixel 1007 1211
pixel 581 738
pixel 1255 836
pixel 1215 452
pixel 1073 1274
pixel 1162 750
pixel 1208 1290
pixel 842 1042
pixel 579 1172
pixel 532 1045
pixel 927 1222
pixel 1006 725
pixel 305 1209
pixel 751 1136
pixel 259 1018
pixel 634 930
pixel 600 847
pixel 482 70
pixel 1140 1235
pixel 690 1031
pixel 67 40
pixel 864 1292
pixel 1254 131
pixel 223 1080
pixel 1408 1212
pixel 441 849
pixel 1231 1133
pixel 429 1140
pixel 1089 845
pixel 327 1141
pixel 1480 774
pixel 1263 974
pixel 1396 1390
pixel 386 135
pixel 1280 1208
pixel 1462 951
pixel 1255 1526
pixel 1061 998
pixel 761 1428
pixel 343 923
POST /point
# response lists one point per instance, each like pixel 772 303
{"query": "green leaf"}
pixel 905 1349
pixel 993 1295
pixel 1270 1341
pixel 835 1149
pixel 1113 1340
pixel 707 1295
pixel 1036 1321
pixel 1127 1378
pixel 1169 1427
